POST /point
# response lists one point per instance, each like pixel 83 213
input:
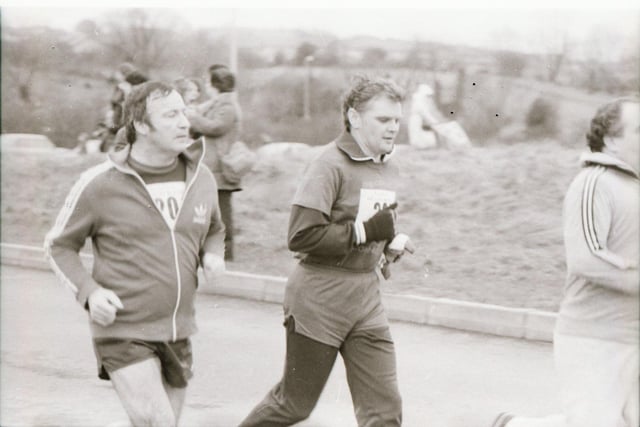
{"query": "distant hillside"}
pixel 258 38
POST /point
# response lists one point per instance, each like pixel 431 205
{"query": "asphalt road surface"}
pixel 447 378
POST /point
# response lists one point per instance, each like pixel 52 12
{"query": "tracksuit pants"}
pixel 369 358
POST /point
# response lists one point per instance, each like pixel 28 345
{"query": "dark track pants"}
pixel 370 363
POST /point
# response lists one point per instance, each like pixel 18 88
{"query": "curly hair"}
pixel 606 122
pixel 364 90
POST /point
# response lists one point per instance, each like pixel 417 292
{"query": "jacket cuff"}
pixel 84 292
pixel 359 233
pixel 214 245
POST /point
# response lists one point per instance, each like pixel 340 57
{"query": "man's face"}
pixel 378 124
pixel 629 140
pixel 169 127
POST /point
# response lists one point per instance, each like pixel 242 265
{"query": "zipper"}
pixel 133 173
pixel 175 253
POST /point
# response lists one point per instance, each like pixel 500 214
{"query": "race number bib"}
pixel 372 201
pixel 167 196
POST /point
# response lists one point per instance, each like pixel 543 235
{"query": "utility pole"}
pixel 307 88
pixel 233 44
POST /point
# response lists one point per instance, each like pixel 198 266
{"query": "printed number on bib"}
pixel 167 197
pixel 372 201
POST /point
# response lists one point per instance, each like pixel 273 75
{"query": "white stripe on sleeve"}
pixel 64 215
pixel 588 225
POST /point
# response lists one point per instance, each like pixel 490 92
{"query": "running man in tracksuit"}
pixel 151 212
pixel 596 340
pixel 342 219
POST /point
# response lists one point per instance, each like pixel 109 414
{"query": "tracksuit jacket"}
pixel 150 264
pixel 601 211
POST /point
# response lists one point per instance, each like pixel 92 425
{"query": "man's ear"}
pixel 354 118
pixel 612 146
pixel 141 128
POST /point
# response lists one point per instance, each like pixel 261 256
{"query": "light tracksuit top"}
pixel 150 264
pixel 602 240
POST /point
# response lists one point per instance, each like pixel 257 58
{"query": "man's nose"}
pixel 184 122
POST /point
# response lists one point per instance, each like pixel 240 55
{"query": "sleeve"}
pixel 214 240
pixel 311 232
pixel 588 216
pixel 74 224
pixel 319 187
pixel 218 121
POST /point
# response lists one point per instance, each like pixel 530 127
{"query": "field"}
pixel 486 221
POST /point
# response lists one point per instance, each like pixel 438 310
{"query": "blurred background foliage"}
pixel 56 82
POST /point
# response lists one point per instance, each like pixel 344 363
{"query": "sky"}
pixel 529 26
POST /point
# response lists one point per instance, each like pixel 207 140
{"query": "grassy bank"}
pixel 487 221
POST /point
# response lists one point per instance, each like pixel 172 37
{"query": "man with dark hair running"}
pixel 152 215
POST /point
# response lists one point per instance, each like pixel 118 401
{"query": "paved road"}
pixel 47 369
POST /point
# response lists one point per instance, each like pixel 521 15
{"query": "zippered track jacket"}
pixel 601 211
pixel 149 263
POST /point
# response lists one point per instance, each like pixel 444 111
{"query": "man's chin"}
pixel 389 147
pixel 185 142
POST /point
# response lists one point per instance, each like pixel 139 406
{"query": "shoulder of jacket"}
pixel 595 179
pixel 98 172
pixel 204 174
pixel 93 179
pixel 330 157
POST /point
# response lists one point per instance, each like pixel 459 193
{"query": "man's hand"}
pixel 103 305
pixel 212 266
pixel 381 226
pixel 400 244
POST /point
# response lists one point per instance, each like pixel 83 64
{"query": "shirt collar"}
pixel 347 144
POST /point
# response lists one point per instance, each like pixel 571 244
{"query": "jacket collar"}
pixel 348 145
pixel 603 159
pixel 192 156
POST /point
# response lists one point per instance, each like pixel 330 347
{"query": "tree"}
pixel 304 49
pixel 374 56
pixel 511 63
pixel 556 60
pixel 556 48
pixel 602 52
pixel 141 36
pixel 248 58
pixel 278 58
pixel 33 50
pixel 414 57
pixel 330 55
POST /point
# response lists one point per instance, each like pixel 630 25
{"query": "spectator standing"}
pixel 219 121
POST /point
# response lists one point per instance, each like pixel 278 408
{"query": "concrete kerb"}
pixel 523 323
